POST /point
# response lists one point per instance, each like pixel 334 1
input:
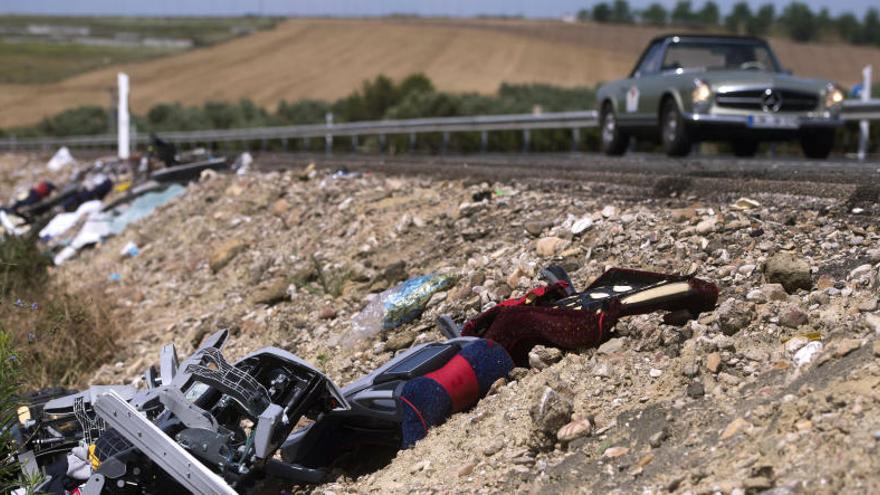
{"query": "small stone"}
pixel 609 211
pixel 602 370
pixel 746 270
pixel 612 346
pixel 733 428
pixel 493 448
pixel 873 322
pixel 225 253
pixel 327 313
pixel 807 353
pixel 549 246
pixel 657 439
pixel 541 357
pixel 536 228
pixel 682 214
pixel 400 341
pixel 271 293
pixel 756 484
pixel 733 316
pixel 846 346
pixel 581 225
pixel 757 296
pixel 706 226
pixel 793 317
pixel 575 429
pixel 825 282
pixel 859 271
pixel 713 362
pixel 518 373
pixel 551 412
pixel 467 469
pixel 655 373
pixel 613 452
pixel 280 207
pixel 695 390
pixel 496 385
pixel 774 292
pixel 876 347
pixel 790 271
pixel 867 306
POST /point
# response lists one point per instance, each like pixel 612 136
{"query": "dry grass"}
pixel 59 337
pixel 327 58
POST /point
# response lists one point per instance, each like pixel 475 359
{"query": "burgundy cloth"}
pixel 519 328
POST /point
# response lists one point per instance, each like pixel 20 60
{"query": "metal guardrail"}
pixel 853 110
pixel 480 123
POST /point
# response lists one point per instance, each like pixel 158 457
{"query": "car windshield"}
pixel 719 55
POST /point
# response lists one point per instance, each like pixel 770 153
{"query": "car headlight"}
pixel 701 94
pixel 833 96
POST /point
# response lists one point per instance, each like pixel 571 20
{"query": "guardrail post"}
pixel 328 138
pixel 575 139
pixel 382 143
pixel 284 144
pixel 412 142
pixel 526 138
pixel 307 143
pixel 864 126
pixel 354 143
pixel 445 144
pixel 484 141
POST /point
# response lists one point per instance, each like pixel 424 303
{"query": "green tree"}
pixel 655 15
pixel 710 14
pixel 621 13
pixel 602 12
pixel 739 19
pixel 800 22
pixel 763 20
pixel 302 112
pixel 583 15
pixel 871 27
pixel 89 119
pixel 848 27
pixel 682 13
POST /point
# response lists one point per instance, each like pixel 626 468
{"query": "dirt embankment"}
pixel 733 402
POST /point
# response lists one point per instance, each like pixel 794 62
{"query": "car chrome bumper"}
pixel 743 120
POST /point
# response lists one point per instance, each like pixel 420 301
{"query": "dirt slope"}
pixel 327 58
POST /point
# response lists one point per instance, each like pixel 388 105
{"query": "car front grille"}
pixel 753 99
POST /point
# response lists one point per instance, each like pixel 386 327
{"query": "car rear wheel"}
pixel 614 141
pixel 673 132
pixel 817 144
pixel 745 147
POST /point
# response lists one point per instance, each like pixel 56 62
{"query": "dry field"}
pixel 327 58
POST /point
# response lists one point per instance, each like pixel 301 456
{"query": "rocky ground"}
pixel 775 391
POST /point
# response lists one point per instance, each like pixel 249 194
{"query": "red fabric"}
pixel 458 379
pixel 519 328
pixel 42 189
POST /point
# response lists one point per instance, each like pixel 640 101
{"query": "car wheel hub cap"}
pixel 608 129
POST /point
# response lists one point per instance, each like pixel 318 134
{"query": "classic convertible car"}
pixel 691 88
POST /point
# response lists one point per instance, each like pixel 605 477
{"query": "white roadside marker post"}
pixel 122 117
pixel 864 125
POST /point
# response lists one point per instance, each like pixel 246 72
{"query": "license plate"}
pixel 772 122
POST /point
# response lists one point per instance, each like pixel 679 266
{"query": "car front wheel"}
pixel 614 141
pixel 673 132
pixel 817 144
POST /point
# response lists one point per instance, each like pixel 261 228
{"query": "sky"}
pixel 533 8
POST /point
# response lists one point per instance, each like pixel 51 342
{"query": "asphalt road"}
pixel 836 178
